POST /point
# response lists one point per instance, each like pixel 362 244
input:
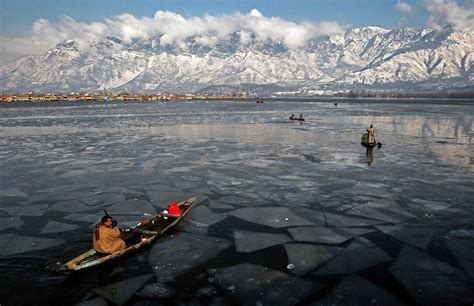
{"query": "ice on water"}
pixel 246 242
pixel 356 290
pixel 276 217
pixel 251 284
pixel 463 250
pixel 69 206
pixel 178 254
pixel 359 255
pixel 330 235
pixel 58 227
pixel 29 210
pixel 120 292
pixel 8 222
pixel 418 236
pixel 306 257
pixel 430 281
pixel 11 244
pixel 382 209
pixel 131 207
pixel 12 193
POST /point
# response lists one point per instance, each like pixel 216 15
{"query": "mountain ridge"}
pixel 370 57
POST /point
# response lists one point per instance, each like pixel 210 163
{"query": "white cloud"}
pixel 451 12
pixel 404 7
pixel 171 27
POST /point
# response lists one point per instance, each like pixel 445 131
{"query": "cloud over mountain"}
pixel 172 28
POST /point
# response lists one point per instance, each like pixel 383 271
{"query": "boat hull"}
pixel 136 237
pixel 364 140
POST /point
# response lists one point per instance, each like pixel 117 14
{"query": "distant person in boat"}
pixel 371 134
pixel 106 238
pixel 293 116
pixel 301 117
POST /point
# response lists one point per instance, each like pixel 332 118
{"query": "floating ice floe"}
pixel 321 234
pixel 246 241
pixel 307 257
pixel 429 206
pixel 385 210
pixel 430 281
pixel 464 233
pixel 181 252
pixel 89 218
pixel 131 207
pixel 417 236
pixel 348 221
pixel 8 222
pixel 219 205
pixel 463 250
pixel 276 217
pixel 58 227
pixel 119 293
pixel 28 210
pixel 359 255
pixel 12 193
pixel 251 284
pixel 156 290
pixel 162 199
pixel 356 290
pixel 11 244
pixel 203 215
pixel 98 301
pixel 69 206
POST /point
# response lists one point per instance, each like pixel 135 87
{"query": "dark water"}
pixel 289 213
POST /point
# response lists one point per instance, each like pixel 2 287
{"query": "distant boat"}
pixel 364 140
pixel 296 118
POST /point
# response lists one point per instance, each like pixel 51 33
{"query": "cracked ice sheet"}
pixel 430 281
pixel 246 242
pixel 132 207
pixel 356 290
pixel 307 257
pixel 57 227
pixel 119 293
pixel 175 255
pixel 359 255
pixel 11 244
pixel 463 250
pixel 385 210
pixel 418 236
pixel 8 222
pixel 250 284
pixel 428 206
pixel 29 210
pixel 276 217
pixel 203 215
pixel 12 193
pixel 331 235
pixel 69 206
pixel 330 219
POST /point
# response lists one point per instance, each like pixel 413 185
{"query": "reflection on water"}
pixel 370 155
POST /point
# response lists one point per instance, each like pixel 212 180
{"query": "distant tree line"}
pixel 366 93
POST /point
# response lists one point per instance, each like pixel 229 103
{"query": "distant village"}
pixel 106 97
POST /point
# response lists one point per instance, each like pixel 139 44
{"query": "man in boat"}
pixel 371 134
pixel 301 117
pixel 106 238
pixel 292 116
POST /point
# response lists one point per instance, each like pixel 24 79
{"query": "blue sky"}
pixel 17 16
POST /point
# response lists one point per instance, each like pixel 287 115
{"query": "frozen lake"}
pixel 289 212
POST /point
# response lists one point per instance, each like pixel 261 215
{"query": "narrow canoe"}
pixel 364 140
pixel 134 237
pixel 298 119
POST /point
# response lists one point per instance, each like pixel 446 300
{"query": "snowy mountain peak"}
pixel 370 57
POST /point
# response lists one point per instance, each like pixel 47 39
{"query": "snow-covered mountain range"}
pixel 370 57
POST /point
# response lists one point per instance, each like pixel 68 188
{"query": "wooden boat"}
pixel 296 118
pixel 135 237
pixel 364 140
